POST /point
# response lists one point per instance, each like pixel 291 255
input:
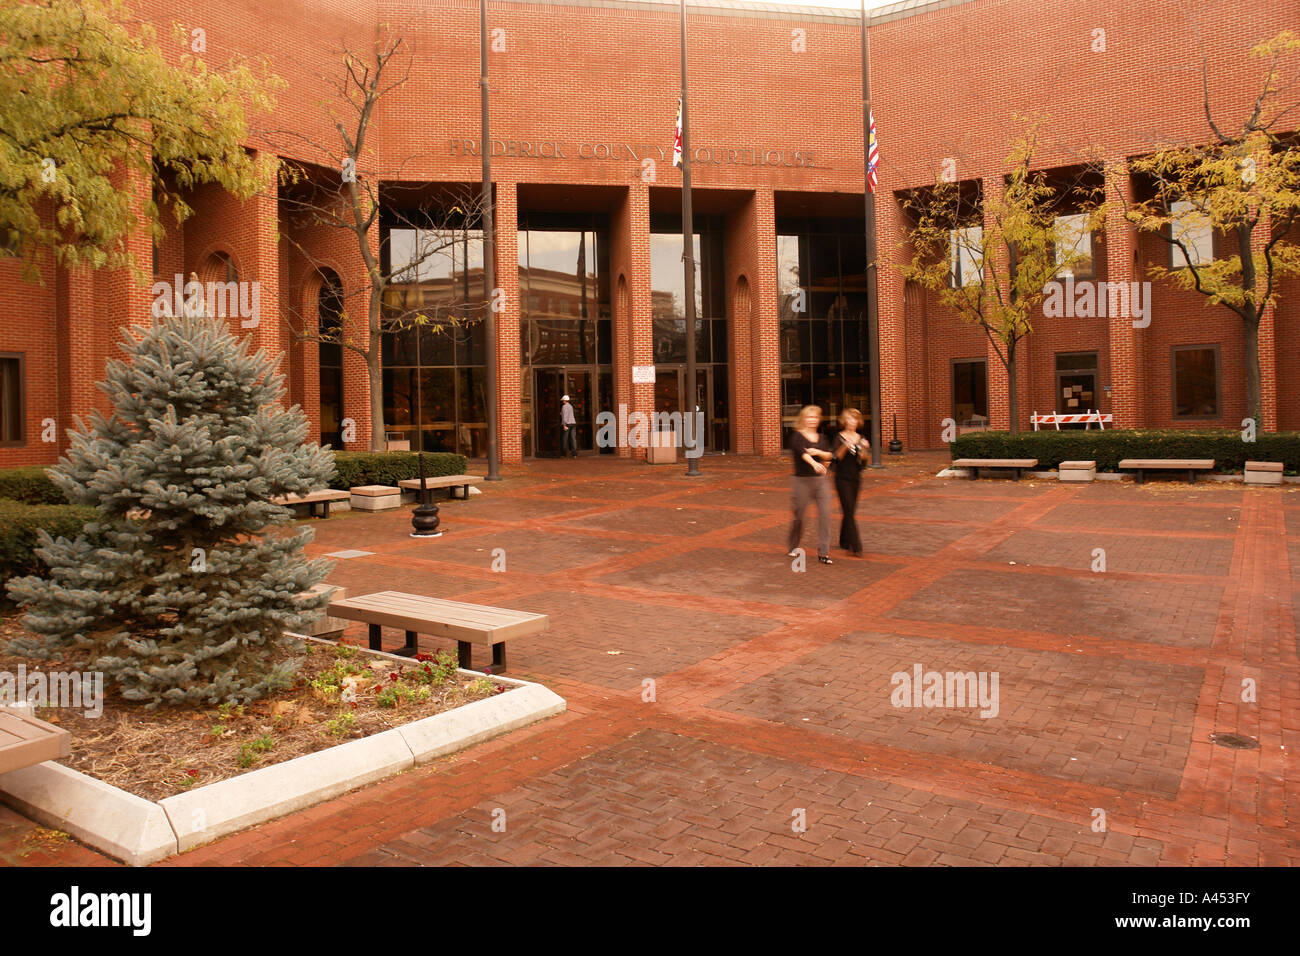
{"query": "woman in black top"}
pixel 811 451
pixel 850 458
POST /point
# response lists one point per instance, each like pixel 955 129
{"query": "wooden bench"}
pixel 1263 473
pixel 1016 465
pixel 1189 465
pixel 321 497
pixel 26 741
pixel 446 481
pixel 466 624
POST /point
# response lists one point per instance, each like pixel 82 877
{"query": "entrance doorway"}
pixel 550 385
pixel 711 399
pixel 1076 383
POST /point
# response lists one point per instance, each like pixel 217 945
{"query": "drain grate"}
pixel 1235 741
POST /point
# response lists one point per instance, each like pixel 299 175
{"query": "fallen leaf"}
pixel 614 653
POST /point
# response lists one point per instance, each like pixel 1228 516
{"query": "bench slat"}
pixel 475 624
pixel 995 463
pixel 447 481
pixel 1171 464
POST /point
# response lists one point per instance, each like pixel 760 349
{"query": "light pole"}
pixel 489 254
pixel 873 315
pixel 688 263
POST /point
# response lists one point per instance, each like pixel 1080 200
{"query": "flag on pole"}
pixel 873 154
pixel 677 143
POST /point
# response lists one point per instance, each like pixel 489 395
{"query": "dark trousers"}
pixel 570 440
pixel 848 489
pixel 806 491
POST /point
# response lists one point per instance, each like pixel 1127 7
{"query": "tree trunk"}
pixel 1013 405
pixel 1254 377
pixel 376 376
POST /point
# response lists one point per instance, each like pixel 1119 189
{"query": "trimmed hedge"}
pixel 18 541
pixel 30 484
pixel 352 468
pixel 1108 448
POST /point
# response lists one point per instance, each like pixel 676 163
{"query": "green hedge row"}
pixel 1108 448
pixel 19 524
pixel 352 468
pixel 30 484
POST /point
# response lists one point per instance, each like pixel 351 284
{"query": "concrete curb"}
pixel 139 832
pixel 121 824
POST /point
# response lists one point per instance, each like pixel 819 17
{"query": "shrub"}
pixel 30 484
pixel 1108 448
pixel 20 525
pixel 353 468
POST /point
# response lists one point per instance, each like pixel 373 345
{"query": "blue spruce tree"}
pixel 184 588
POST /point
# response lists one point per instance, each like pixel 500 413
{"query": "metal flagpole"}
pixel 873 315
pixel 489 254
pixel 688 263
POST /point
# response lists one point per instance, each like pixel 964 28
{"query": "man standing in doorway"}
pixel 570 423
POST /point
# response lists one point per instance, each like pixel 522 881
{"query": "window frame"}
pixel 1175 252
pixel 952 387
pixel 21 440
pixel 956 253
pixel 1087 234
pixel 1173 383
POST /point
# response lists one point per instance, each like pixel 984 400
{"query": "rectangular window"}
pixel 1196 381
pixel 970 392
pixel 1076 383
pixel 12 396
pixel 1073 246
pixel 1193 229
pixel 965 256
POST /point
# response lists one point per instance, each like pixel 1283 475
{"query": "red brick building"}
pixel 588 253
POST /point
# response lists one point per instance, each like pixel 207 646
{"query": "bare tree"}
pixel 347 192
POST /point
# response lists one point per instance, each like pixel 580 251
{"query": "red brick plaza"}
pixel 772 689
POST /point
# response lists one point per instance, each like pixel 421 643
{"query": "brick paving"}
pixel 727 710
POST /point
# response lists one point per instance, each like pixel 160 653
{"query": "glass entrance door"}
pixel 670 386
pixel 550 385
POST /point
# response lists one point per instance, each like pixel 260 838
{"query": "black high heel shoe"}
pixel 825 559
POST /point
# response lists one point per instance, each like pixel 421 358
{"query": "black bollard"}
pixel 424 519
pixel 895 446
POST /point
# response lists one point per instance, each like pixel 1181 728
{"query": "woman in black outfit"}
pixel 812 455
pixel 850 458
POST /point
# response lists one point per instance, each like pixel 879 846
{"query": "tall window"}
pixel 970 392
pixel 965 256
pixel 1194 230
pixel 1196 381
pixel 821 276
pixel 12 394
pixel 1073 240
pixel 435 379
pixel 329 305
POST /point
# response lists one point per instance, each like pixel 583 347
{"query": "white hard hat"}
pixel 565 398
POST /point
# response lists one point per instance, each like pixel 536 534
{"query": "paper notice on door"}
pixel 1072 403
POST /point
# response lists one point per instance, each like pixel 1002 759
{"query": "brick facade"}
pixel 772 125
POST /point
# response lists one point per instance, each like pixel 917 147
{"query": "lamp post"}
pixel 688 263
pixel 873 315
pixel 489 254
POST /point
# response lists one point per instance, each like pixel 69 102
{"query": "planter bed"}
pixel 150 790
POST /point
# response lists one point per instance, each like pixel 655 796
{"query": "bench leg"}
pixel 1015 474
pixel 326 512
pixel 463 657
pixel 411 646
pixel 499 657
pixel 974 473
pixel 1139 476
pixel 1191 477
pixel 376 640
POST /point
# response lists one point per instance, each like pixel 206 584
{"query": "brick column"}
pixel 765 352
pixel 998 385
pixel 745 259
pixel 80 364
pixel 891 233
pixel 509 372
pixel 1267 336
pixel 1127 401
pixel 633 329
pixel 269 333
pixel 356 387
